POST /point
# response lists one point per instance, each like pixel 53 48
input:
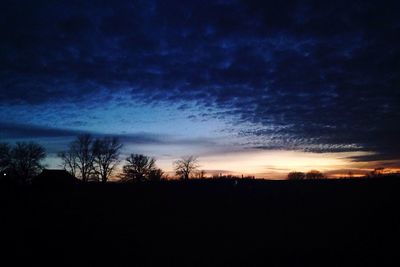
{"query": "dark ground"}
pixel 203 223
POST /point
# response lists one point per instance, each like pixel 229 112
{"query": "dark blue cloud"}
pixel 324 74
pixel 13 131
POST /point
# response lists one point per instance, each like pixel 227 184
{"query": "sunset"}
pixel 204 79
pixel 150 101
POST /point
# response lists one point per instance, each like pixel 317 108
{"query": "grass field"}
pixel 204 223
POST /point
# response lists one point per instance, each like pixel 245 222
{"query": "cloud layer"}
pixel 308 75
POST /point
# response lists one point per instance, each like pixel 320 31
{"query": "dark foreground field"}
pixel 204 223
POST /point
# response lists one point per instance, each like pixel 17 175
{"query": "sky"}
pixel 250 87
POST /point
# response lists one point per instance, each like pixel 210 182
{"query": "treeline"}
pixel 314 174
pixel 93 159
pixel 89 159
pixel 96 159
pixel 311 175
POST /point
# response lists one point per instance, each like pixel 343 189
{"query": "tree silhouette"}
pixel 350 174
pixel 156 175
pixel 185 166
pixel 83 148
pixel 68 162
pixel 377 172
pixel 25 160
pixel 201 174
pixel 296 175
pixel 5 151
pixel 106 153
pixel 314 174
pixel 138 168
pixel 80 158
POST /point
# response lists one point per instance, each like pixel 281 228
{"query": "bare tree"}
pixel 26 160
pixel 138 168
pixel 68 162
pixel 106 156
pixel 185 166
pixel 314 174
pixel 296 175
pixel 82 148
pixel 5 151
pixel 79 159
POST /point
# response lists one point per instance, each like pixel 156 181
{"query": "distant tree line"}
pixel 96 159
pixel 89 159
pixel 311 175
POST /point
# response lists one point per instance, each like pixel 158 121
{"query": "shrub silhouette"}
pixel 296 175
pixel 314 174
pixel 156 175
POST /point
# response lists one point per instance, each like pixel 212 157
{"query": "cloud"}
pixel 324 75
pixel 12 131
pixel 20 131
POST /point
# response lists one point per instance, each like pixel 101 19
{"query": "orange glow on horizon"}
pixel 276 164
